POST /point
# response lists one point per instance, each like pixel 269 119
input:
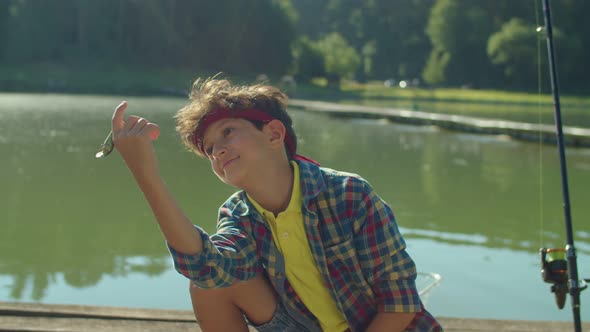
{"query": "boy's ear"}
pixel 276 132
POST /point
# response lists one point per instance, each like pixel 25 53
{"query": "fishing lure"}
pixel 106 147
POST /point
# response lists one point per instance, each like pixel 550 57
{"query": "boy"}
pixel 299 247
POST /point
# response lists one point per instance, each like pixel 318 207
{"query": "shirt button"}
pixel 285 234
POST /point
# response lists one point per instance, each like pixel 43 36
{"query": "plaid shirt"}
pixel 354 240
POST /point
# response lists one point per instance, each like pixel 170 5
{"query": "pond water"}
pixel 474 209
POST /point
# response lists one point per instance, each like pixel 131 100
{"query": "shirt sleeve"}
pixel 389 269
pixel 228 256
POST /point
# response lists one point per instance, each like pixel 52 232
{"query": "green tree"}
pixel 397 29
pixel 31 27
pixel 459 32
pixel 572 50
pixel 312 19
pixel 340 59
pixel 5 7
pixel 218 35
pixel 239 37
pixel 514 48
pixel 434 71
pixel 308 60
pixel 388 34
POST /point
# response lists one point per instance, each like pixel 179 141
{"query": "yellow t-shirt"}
pixel 289 235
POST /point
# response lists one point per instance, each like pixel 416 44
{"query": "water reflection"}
pixel 69 218
pixel 457 183
pixel 58 217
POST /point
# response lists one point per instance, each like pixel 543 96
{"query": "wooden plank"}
pixel 33 317
pixel 496 325
pixel 60 310
pixel 67 324
pixel 63 324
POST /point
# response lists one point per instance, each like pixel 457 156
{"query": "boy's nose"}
pixel 218 152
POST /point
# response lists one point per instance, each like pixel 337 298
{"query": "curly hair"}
pixel 211 94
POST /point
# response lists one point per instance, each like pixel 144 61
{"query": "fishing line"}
pixel 540 122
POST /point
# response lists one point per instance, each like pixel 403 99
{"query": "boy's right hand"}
pixel 132 138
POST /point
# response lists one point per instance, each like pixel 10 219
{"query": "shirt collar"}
pixel 312 181
pixel 294 203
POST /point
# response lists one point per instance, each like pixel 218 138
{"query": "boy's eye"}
pixel 209 149
pixel 227 131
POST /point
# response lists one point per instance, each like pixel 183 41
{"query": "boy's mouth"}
pixel 225 164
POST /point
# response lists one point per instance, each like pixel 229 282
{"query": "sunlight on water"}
pixel 450 237
pixel 473 208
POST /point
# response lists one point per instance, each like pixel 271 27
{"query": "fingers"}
pixel 151 130
pixel 142 127
pixel 133 125
pixel 118 120
pixel 136 126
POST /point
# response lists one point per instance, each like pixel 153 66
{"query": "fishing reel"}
pixel 554 271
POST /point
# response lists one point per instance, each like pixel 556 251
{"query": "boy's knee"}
pixel 214 309
pixel 255 298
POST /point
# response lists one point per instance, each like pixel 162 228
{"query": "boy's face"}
pixel 236 149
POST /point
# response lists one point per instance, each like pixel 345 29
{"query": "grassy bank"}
pixel 378 91
pixel 506 105
pixel 95 79
pixel 118 79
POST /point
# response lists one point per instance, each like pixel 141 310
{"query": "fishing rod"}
pixel 559 265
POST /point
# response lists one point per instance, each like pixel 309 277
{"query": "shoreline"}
pixel 573 136
pixel 522 131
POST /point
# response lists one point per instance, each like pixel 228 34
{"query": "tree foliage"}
pixel 253 36
pixel 514 48
pixel 458 31
pixel 486 43
pixel 389 35
pixel 340 59
pixel 308 60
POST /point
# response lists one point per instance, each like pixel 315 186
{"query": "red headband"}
pixel 248 114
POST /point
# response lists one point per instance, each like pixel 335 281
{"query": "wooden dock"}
pixel 31 317
pixel 573 136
